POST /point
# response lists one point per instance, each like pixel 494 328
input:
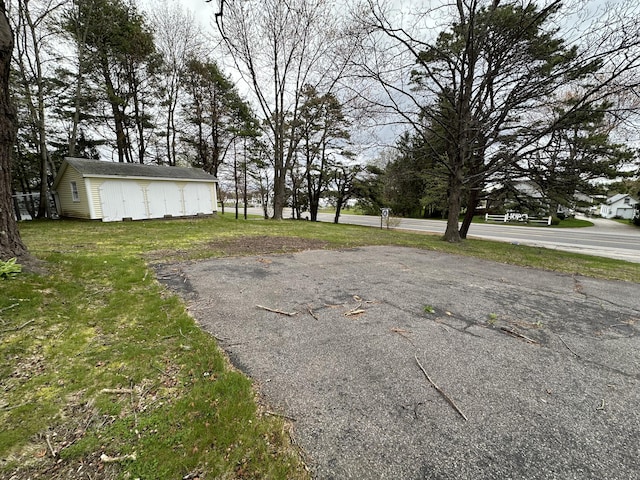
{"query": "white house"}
pixel 111 192
pixel 620 206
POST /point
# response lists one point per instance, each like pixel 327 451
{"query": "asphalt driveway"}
pixel 545 367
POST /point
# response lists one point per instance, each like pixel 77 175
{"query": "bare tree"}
pixel 32 33
pixel 479 74
pixel 11 244
pixel 279 47
pixel 177 39
pixel 120 52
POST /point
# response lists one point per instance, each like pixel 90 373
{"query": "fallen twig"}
pixel 54 454
pixel 117 390
pixel 402 333
pixel 359 299
pixel 511 331
pixel 281 415
pixel 446 397
pixel 18 328
pixel 311 312
pixel 165 373
pixel 354 311
pixel 13 305
pixel 288 314
pixel 568 347
pixel 107 459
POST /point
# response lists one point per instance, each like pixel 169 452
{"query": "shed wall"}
pixel 141 199
pixel 69 207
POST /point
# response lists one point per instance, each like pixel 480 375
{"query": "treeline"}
pixel 103 78
pixel 492 97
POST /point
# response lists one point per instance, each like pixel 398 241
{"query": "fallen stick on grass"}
pixel 440 391
pixel 116 390
pixel 122 458
pixel 17 328
pixel 13 305
pixel 288 314
pixel 54 454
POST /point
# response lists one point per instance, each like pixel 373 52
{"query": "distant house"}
pixel 621 205
pixel 112 192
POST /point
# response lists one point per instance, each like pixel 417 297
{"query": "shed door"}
pixel 121 200
pixel 164 199
pixel 197 199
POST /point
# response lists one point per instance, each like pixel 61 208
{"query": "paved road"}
pixel 606 238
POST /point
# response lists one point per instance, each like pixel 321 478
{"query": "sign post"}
pixel 384 216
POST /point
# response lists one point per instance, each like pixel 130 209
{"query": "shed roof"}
pixel 90 168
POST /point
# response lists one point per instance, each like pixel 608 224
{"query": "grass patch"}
pixel 566 223
pixel 573 223
pixel 99 358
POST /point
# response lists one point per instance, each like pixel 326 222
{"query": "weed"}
pixel 428 309
pixel 9 269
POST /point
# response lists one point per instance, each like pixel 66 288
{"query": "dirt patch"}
pixel 264 244
pixel 237 247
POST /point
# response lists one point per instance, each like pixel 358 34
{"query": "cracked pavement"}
pixel 545 366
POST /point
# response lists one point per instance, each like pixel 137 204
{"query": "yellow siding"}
pixel 93 184
pixel 69 207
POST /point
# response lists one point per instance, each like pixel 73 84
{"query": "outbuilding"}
pixel 621 205
pixel 112 192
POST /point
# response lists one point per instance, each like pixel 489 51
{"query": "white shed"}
pixel 112 192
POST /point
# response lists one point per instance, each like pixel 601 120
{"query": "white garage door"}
pixel 121 200
pixel 197 199
pixel 164 199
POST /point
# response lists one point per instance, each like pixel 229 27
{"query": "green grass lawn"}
pixel 99 359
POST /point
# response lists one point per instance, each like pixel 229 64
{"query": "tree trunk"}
pixel 10 242
pixel 118 116
pixel 235 175
pixel 81 41
pixel 472 204
pixel 279 182
pixel 244 180
pixel 278 196
pixel 452 233
pixel 338 209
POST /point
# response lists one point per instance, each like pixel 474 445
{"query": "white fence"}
pixel 518 218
